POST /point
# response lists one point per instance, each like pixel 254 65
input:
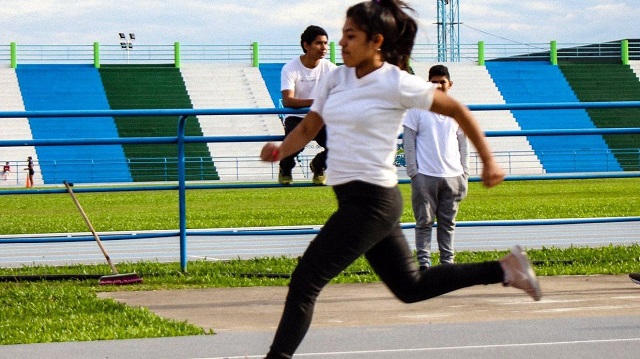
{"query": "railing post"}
pixel 481 53
pixel 553 54
pixel 176 54
pixel 14 57
pixel 625 52
pixel 255 56
pixel 332 52
pixel 182 202
pixel 96 55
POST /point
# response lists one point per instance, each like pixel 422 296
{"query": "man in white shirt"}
pixel 437 155
pixel 298 80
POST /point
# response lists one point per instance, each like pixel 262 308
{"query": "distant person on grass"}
pixel 298 80
pixel 437 160
pixel 362 105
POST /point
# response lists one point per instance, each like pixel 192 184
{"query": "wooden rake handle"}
pixel 93 231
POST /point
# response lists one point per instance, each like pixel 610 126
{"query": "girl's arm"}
pixel 306 131
pixel 492 173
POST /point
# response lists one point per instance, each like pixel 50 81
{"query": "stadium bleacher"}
pixel 603 83
pixel 155 87
pixel 243 87
pixel 71 87
pixel 542 82
pixel 228 85
pixel 14 129
pixel 472 84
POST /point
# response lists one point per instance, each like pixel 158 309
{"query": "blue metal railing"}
pixel 181 139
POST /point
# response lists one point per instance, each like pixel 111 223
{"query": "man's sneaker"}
pixel 518 273
pixel 635 277
pixel 318 176
pixel 284 179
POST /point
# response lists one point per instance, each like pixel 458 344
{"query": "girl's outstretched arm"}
pixel 306 131
pixel 492 173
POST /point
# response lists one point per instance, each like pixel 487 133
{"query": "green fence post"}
pixel 256 61
pixel 96 55
pixel 332 52
pixel 481 53
pixel 625 52
pixel 176 54
pixel 14 58
pixel 554 53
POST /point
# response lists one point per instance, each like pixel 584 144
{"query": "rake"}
pixel 115 278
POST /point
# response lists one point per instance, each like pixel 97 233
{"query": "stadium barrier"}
pixel 181 139
pixel 175 54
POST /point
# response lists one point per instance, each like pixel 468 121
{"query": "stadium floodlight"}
pixel 127 44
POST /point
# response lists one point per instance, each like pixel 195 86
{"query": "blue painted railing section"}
pixel 180 140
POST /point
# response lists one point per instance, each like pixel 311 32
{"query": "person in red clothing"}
pixel 6 170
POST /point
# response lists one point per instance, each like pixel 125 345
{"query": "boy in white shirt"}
pixel 437 156
pixel 297 82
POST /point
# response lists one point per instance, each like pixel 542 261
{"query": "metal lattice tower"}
pixel 448 31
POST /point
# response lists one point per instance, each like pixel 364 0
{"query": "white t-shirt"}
pixel 363 117
pixel 301 79
pixel 437 147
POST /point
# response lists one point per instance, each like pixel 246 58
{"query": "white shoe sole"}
pixel 531 275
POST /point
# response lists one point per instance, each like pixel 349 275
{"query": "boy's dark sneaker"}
pixel 318 176
pixel 284 179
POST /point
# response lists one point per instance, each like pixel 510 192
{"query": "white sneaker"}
pixel 518 273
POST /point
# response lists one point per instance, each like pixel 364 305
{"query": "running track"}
pixel 249 246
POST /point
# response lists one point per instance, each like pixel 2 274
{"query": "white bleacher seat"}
pixel 15 129
pixel 230 86
pixel 635 66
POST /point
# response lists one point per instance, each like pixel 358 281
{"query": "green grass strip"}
pixel 230 208
pixel 45 312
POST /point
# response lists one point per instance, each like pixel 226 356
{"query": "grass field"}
pixel 43 311
pixel 229 208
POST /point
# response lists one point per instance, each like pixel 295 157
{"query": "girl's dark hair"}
pixel 389 19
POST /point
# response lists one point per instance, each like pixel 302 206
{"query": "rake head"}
pixel 120 279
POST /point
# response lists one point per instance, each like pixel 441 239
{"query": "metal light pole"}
pixel 448 30
pixel 127 43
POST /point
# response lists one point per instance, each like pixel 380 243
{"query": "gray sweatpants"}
pixel 436 198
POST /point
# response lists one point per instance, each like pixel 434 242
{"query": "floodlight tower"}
pixel 448 30
pixel 127 44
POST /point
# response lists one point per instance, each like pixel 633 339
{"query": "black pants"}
pixel 319 161
pixel 367 222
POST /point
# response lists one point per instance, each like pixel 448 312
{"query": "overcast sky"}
pixel 235 22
